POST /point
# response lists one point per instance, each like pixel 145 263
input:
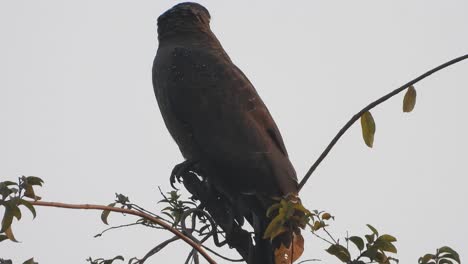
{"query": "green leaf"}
pixel 426 258
pixel 340 252
pixel 451 256
pixel 275 228
pixel 169 215
pixel 7 219
pixel 105 214
pixel 5 191
pixel 381 258
pixel 8 183
pixel 445 261
pixel 387 238
pixel 370 253
pixel 272 208
pixel 30 261
pixel 33 180
pixel 358 242
pixel 450 251
pixel 299 207
pixel 370 238
pixel 13 207
pixel 318 225
pixel 9 234
pixel 286 209
pixel 29 192
pixel 385 246
pixel 122 199
pixel 3 237
pixel 29 206
pixel 368 128
pixel 374 231
pixel 409 101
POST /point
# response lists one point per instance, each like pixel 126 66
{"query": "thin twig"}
pixel 157 249
pixel 221 256
pixel 369 107
pixel 317 235
pixel 132 212
pixel 329 235
pixel 324 239
pixel 308 260
pixel 115 227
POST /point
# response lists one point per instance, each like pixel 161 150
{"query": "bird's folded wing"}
pixel 226 118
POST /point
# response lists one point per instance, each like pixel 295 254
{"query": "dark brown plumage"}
pixel 214 113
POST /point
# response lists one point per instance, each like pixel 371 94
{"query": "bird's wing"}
pixel 229 123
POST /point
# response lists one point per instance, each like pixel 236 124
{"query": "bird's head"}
pixel 184 17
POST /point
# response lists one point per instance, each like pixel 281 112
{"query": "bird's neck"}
pixel 193 38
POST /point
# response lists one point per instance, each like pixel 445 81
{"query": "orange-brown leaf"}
pixel 287 255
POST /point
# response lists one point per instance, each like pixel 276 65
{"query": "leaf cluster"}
pixel 288 212
pixel 443 255
pixel 8 261
pixel 121 200
pixel 175 207
pixel 12 197
pixel 372 246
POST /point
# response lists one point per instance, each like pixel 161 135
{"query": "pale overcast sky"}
pixel 77 108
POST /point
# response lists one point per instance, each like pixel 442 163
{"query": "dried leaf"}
pixel 298 246
pixel 287 255
pixel 368 128
pixel 326 216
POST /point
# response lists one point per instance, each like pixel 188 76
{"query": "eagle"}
pixel 217 118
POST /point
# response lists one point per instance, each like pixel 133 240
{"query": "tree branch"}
pixel 132 212
pixel 369 107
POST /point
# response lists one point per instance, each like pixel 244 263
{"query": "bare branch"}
pixel 369 107
pixel 132 212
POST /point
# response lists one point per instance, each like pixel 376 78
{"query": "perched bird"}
pixel 216 117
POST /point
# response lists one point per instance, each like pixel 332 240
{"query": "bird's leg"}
pixel 181 169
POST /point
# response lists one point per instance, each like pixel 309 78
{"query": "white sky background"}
pixel 77 108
